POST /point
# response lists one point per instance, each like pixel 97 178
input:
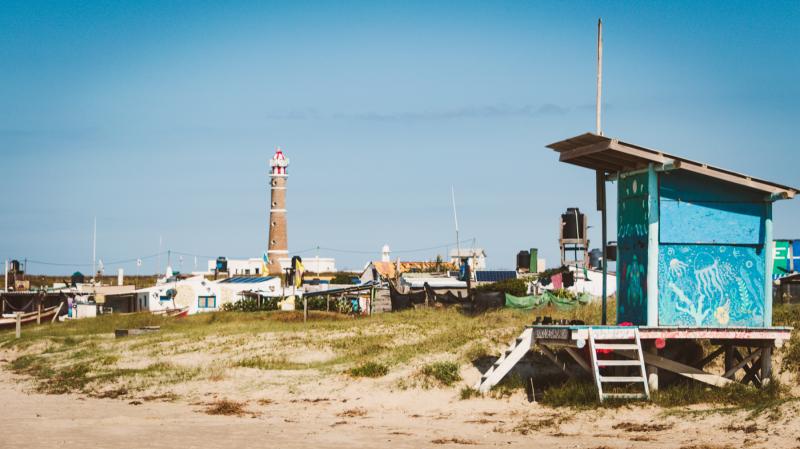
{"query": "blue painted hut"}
pixel 695 242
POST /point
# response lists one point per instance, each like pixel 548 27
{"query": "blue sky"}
pixel 159 118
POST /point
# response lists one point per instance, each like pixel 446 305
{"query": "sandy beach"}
pixel 350 413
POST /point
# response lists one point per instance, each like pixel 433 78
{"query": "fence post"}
pixel 19 324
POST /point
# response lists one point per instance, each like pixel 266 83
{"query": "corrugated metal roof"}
pixel 245 280
pixel 614 156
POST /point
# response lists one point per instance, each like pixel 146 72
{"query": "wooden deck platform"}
pixel 579 334
pixel 744 349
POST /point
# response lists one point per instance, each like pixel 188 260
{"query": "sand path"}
pixel 403 419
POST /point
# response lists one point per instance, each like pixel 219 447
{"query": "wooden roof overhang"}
pixel 613 156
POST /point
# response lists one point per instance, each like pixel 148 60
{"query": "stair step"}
pixel 618 363
pixel 621 379
pixel 618 346
pixel 624 396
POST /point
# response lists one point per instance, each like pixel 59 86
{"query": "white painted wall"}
pixel 190 290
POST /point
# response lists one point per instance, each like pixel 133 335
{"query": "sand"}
pixel 364 413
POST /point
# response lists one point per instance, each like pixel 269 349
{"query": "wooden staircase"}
pixel 636 360
pixel 513 354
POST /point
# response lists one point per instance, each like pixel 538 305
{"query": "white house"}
pixel 255 265
pixel 477 257
pixel 202 295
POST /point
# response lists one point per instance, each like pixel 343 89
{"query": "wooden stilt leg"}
pixel 766 364
pixel 730 360
pixel 652 370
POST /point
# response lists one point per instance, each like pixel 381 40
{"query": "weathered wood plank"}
pixel 707 359
pixel 579 359
pixel 732 371
pixel 584 150
pixel 686 370
pixel 554 358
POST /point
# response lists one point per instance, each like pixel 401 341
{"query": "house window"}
pixel 206 302
pixel 164 298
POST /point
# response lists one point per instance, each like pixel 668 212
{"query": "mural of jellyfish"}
pixel 710 285
pixel 707 274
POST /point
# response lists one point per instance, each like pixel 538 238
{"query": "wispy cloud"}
pixel 467 112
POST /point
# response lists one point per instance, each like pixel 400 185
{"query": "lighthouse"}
pixel 278 245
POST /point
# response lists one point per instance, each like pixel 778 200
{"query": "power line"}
pixel 401 251
pixel 181 253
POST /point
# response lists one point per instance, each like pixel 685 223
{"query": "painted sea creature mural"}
pixel 632 232
pixel 710 286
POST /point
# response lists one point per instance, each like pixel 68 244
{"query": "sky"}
pixel 159 118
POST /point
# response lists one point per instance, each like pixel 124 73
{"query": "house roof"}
pixel 245 280
pixel 614 156
pixel 389 269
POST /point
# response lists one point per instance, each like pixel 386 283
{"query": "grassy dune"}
pixel 424 348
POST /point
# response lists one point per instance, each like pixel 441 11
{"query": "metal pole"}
pixel 94 249
pixel 599 74
pixel 455 217
pixel 601 205
pixel 5 275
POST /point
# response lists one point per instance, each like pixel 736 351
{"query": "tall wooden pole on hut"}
pixel 600 174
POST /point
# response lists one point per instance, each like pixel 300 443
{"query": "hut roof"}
pixel 612 156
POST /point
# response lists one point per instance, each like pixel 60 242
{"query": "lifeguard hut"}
pixel 694 261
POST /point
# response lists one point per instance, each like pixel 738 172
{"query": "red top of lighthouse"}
pixel 279 162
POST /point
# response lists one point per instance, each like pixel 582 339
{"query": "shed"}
pixel 695 246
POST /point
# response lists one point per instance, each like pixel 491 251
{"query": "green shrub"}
pixel 571 394
pixel 252 305
pixel 369 369
pixel 343 278
pixel 469 393
pixel 446 373
pixel 341 305
pixel 516 287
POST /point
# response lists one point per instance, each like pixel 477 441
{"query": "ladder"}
pixel 510 357
pixel 597 342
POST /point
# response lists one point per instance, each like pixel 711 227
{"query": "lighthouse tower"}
pixel 278 246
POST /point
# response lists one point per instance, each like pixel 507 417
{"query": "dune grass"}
pixel 83 355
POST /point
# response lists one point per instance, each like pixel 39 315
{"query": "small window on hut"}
pixel 206 302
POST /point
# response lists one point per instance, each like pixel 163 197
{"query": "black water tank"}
pixel 611 251
pixel 15 267
pixel 573 223
pixel 596 258
pixel 523 260
pixel 222 265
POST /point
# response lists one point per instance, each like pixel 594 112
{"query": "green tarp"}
pixel 546 299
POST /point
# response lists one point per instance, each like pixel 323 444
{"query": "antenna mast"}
pixel 599 74
pixel 455 218
pixel 94 249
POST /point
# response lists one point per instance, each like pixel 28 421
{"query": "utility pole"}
pixel 599 76
pixel 455 218
pixel 600 174
pixel 94 249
